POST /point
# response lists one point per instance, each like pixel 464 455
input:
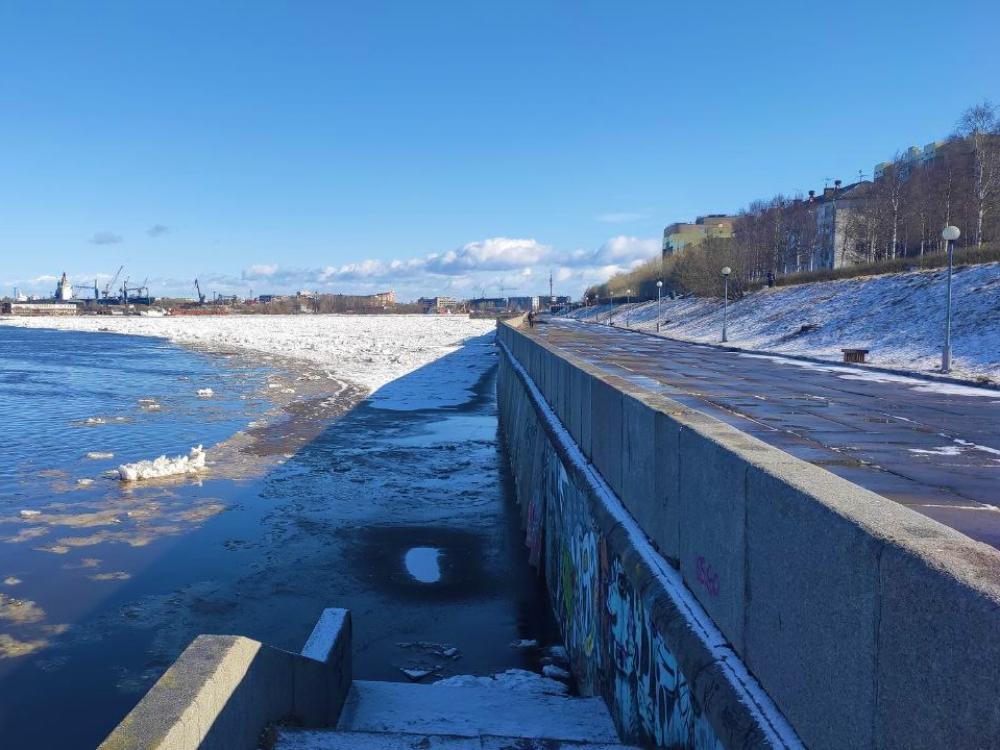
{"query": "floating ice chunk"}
pixel 11 580
pixel 85 482
pixel 558 653
pixel 99 455
pixel 192 463
pixel 555 673
pixel 525 643
pixel 416 673
pixel 205 393
pixel 95 420
pixel 30 513
pixel 423 564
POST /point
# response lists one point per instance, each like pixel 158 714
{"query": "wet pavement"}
pixel 932 446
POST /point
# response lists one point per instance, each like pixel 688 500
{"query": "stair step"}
pixel 474 710
pixel 319 739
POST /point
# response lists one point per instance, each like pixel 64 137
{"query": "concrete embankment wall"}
pixel 742 587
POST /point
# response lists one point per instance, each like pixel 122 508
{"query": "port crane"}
pixel 114 280
pixel 503 288
pixel 201 297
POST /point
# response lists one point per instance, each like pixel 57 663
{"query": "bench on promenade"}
pixel 854 355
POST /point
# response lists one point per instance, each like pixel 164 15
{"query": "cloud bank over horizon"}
pixel 521 266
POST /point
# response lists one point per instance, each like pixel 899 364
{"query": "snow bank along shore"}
pixel 898 317
pixel 372 351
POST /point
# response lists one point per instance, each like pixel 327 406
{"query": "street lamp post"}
pixel 659 289
pixel 949 234
pixel 611 312
pixel 628 309
pixel 725 303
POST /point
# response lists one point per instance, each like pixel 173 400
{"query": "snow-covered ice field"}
pixel 374 351
pixel 898 317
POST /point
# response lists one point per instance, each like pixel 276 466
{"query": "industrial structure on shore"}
pixel 129 299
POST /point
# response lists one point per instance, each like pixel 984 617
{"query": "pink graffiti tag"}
pixel 707 577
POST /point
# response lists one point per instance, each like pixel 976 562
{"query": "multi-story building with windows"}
pixel 680 235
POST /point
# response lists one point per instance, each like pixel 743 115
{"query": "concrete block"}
pixel 580 404
pixel 664 526
pixel 537 363
pixel 938 651
pixel 550 363
pixel 323 677
pixel 639 462
pixel 606 432
pixel 712 523
pixel 541 362
pixel 812 601
pixel 565 384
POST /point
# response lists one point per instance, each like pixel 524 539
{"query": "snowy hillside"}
pixel 899 317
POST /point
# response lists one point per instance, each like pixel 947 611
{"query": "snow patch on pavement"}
pixel 518 680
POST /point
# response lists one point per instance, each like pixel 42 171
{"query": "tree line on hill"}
pixel 888 223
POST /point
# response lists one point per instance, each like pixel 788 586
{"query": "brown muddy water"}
pixel 405 517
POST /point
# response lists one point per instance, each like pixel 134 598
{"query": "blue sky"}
pixel 444 147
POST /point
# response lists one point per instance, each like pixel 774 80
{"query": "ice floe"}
pixel 161 467
pixel 388 354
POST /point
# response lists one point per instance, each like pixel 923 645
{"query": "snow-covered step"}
pixel 319 739
pixel 475 710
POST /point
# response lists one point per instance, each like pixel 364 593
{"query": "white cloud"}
pixel 519 265
pixel 484 265
pixel 260 271
pixel 106 238
pixel 624 248
pixel 495 254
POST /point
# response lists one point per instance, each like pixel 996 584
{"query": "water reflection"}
pixel 423 564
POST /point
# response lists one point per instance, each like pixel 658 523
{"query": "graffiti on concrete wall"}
pixel 615 649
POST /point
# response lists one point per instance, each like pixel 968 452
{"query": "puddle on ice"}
pixel 422 563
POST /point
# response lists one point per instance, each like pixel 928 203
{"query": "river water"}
pixel 404 517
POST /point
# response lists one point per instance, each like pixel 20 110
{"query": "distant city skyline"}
pixel 442 149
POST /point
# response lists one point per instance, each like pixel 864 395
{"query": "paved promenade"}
pixel 934 447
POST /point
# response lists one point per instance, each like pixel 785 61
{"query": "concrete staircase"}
pixel 479 715
pixel 228 692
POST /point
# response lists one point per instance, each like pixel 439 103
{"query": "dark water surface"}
pixel 405 517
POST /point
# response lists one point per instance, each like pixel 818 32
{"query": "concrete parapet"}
pixel 635 635
pixel 712 522
pixel 937 651
pixel 606 419
pixel 868 624
pixel 812 604
pixel 223 690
